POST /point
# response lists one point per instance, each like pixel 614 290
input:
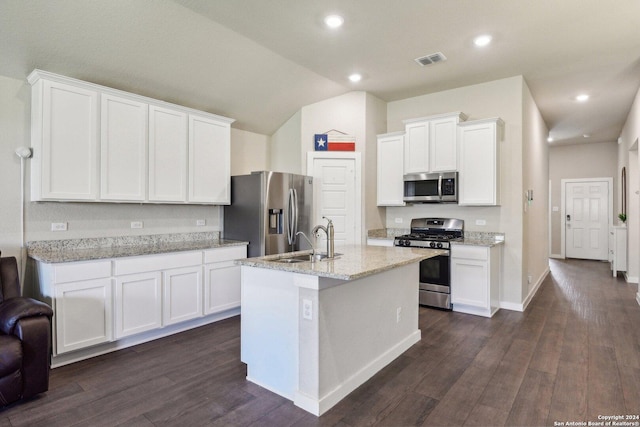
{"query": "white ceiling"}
pixel 260 61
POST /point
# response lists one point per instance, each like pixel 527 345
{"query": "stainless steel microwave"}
pixel 431 187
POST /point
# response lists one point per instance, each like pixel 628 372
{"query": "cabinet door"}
pixel 69 143
pixel 123 148
pixel 182 294
pixel 83 314
pixel 469 282
pixel 479 162
pixel 167 155
pixel 222 287
pixel 442 145
pixel 138 305
pixel 390 170
pixel 416 147
pixel 209 161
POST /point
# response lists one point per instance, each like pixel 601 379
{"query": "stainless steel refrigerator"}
pixel 267 210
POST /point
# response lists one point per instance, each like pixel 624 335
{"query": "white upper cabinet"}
pixel 390 164
pixel 431 143
pixel 416 147
pixel 479 162
pixel 168 133
pixel 123 149
pixel 149 150
pixel 64 137
pixel 209 161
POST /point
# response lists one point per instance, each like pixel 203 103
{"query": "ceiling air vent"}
pixel 432 58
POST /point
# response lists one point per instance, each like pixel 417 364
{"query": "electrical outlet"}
pixel 307 309
pixel 58 226
pixel 201 222
pixel 481 222
pixel 136 224
pixel 398 314
pixel 529 279
pixel 398 220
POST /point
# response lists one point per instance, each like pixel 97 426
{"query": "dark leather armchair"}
pixel 25 339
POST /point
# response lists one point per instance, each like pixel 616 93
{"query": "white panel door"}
pixel 123 148
pixel 167 155
pixel 334 189
pixel 587 222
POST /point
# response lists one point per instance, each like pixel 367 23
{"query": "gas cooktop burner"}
pixel 432 233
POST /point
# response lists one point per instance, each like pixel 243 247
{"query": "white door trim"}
pixel 563 218
pixel 347 155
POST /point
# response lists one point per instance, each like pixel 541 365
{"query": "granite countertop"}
pixel 471 238
pixel 57 251
pixel 353 261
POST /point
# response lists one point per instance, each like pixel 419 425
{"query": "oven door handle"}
pixel 440 186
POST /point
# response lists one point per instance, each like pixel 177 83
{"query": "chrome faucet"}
pixel 313 250
pixel 329 231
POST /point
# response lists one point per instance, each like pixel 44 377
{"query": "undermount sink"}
pixel 305 258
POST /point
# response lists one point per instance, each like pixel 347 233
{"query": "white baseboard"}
pixel 557 256
pixel 638 298
pixel 630 279
pixel 320 406
pixel 523 306
pixel 100 349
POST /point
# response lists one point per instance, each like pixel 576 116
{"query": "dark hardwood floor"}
pixel 573 355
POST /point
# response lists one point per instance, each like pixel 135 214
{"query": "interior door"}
pixel 335 198
pixel 587 221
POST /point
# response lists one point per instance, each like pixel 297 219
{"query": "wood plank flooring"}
pixel 573 355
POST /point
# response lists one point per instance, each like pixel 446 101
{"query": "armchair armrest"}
pixel 15 309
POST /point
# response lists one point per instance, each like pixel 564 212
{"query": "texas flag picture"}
pixel 327 142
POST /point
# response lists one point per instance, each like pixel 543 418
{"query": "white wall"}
pixel 629 141
pixel 285 147
pixel 577 161
pixel 249 152
pixel 535 167
pixel 91 219
pixel 500 98
pixel 376 116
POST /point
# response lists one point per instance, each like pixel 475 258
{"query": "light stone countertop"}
pixel 353 261
pixel 471 238
pixel 72 250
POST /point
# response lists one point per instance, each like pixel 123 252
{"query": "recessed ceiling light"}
pixel 582 97
pixel 482 40
pixel 586 135
pixel 355 77
pixel 334 21
pixel 550 139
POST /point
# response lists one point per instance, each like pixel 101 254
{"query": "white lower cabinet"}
pixel 138 303
pixel 222 279
pixel 80 294
pixel 182 289
pixel 475 279
pixel 99 302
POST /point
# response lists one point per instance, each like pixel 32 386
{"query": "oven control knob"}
pixel 406 243
pixel 432 244
pixel 439 245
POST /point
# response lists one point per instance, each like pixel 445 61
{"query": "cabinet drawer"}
pixel 225 254
pixel 470 252
pixel 76 271
pixel 146 263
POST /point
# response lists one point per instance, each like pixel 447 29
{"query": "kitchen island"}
pixel 315 331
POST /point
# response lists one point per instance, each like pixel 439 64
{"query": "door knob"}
pixel 568 217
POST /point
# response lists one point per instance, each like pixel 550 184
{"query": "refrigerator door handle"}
pixel 290 213
pixel 295 217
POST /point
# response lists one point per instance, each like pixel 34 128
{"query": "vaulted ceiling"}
pixel 260 61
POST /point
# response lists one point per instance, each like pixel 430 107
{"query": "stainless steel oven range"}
pixel 435 273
